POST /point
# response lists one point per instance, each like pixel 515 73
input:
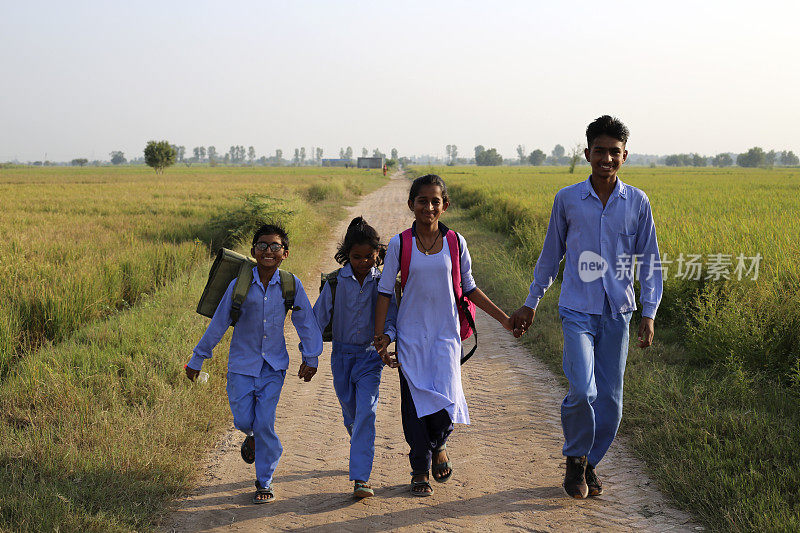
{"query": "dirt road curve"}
pixel 508 466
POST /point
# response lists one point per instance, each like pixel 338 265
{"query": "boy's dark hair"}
pixel 607 125
pixel 359 232
pixel 427 179
pixel 272 229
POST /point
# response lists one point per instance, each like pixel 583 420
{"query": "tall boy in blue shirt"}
pixel 605 229
pixel 257 360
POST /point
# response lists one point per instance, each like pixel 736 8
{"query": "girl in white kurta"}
pixel 428 335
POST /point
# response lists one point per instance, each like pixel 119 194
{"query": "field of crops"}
pixel 77 244
pixel 713 406
pixel 100 271
pixel 715 228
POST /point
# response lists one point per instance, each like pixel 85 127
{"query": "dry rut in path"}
pixel 508 466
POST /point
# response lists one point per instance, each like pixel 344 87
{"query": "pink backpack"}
pixel 466 309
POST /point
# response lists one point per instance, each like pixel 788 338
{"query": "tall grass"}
pixel 697 211
pixel 78 244
pixel 719 439
pixel 99 429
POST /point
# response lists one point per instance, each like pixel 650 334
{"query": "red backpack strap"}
pixel 405 256
pixel 455 261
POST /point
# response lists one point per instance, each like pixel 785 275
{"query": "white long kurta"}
pixel 428 333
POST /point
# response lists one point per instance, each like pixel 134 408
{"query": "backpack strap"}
pixel 288 290
pixel 243 282
pixel 405 256
pixel 454 244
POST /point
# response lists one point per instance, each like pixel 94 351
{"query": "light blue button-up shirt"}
pixel 600 245
pixel 354 316
pixel 258 335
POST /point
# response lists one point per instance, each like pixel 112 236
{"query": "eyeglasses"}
pixel 272 246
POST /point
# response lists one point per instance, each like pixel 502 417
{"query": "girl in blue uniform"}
pixel 428 332
pixel 348 305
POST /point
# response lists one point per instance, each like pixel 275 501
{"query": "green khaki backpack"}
pixel 229 265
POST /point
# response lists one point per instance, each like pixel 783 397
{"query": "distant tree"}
pixel 319 155
pixel 118 158
pixel 489 158
pixel 558 152
pixel 752 158
pixel 394 153
pixel 523 158
pixel 341 153
pixel 722 160
pixel 377 153
pixel 698 160
pixel 478 151
pixel 196 153
pixel 770 158
pixel 212 153
pixel 575 156
pixel 227 158
pixel 302 155
pixel 537 157
pixel 296 159
pixel 279 157
pixel 79 162
pixel 788 159
pixel 348 154
pixel 364 152
pixel 251 154
pixel 181 152
pixel 159 155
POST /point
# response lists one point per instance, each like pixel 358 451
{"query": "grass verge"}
pixel 721 443
pixel 102 431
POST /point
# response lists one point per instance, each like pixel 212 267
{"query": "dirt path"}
pixel 508 466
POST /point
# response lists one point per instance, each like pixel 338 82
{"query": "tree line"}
pixel 753 158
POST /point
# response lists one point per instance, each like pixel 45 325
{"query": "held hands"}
pixel 521 320
pixel 646 332
pixel 381 342
pixel 306 372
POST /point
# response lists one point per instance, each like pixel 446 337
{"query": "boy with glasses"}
pixel 257 360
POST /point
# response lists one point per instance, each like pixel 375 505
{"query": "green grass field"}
pixel 101 271
pixel 714 406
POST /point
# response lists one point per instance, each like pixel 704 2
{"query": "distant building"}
pixel 371 162
pixel 347 163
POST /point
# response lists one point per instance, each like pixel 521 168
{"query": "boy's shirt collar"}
pixel 347 272
pixel 276 278
pixel 620 189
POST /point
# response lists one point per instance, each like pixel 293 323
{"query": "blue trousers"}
pixel 595 351
pixel 253 402
pixel 425 434
pixel 356 373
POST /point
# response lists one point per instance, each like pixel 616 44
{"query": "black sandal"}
pixel 437 468
pixel 270 496
pixel 420 485
pixel 249 449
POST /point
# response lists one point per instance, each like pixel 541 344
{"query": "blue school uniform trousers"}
pixel 355 365
pixel 258 359
pixel 600 246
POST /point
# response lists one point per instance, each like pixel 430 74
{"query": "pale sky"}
pixel 80 79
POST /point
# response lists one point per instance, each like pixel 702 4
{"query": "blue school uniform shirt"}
pixel 591 235
pixel 354 315
pixel 258 334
